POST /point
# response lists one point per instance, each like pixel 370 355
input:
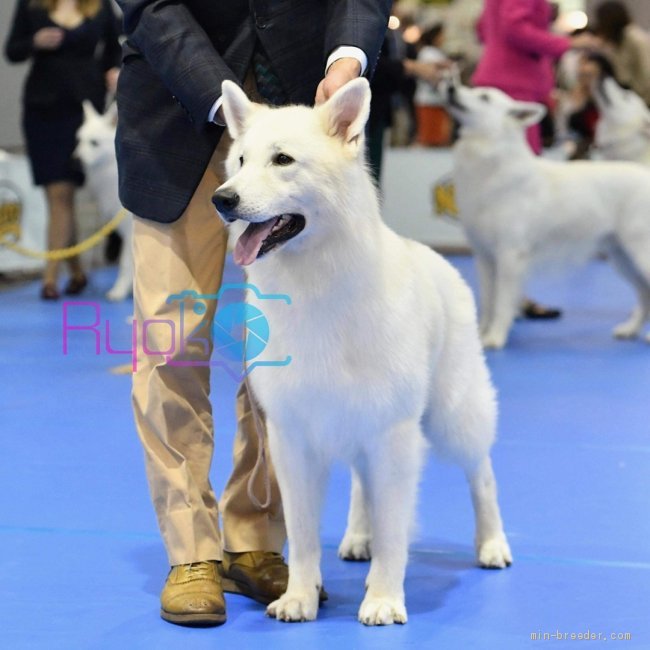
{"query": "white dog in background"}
pixel 96 150
pixel 521 212
pixel 623 130
pixel 383 338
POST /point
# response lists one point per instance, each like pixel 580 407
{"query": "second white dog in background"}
pixel 521 212
pixel 623 130
pixel 96 150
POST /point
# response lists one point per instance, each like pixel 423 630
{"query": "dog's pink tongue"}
pixel 249 243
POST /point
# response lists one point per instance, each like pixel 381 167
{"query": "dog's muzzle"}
pixel 260 237
pixel 226 201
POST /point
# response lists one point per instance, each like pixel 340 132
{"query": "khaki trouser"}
pixel 172 406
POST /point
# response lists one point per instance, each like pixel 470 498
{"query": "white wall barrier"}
pixel 22 213
pixel 418 197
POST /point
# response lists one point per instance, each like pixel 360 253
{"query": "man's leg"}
pixel 171 403
pixel 253 522
pixel 173 411
pixel 246 525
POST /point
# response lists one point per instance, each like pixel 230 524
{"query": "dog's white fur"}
pixel 520 211
pixel 384 344
pixel 623 130
pixel 96 150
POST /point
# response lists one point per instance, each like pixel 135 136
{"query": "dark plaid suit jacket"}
pixel 175 58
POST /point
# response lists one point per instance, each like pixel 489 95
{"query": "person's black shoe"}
pixel 534 311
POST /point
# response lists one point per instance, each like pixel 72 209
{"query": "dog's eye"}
pixel 94 143
pixel 282 159
pixel 485 98
pixel 241 161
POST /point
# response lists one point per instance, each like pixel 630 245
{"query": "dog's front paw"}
pixel 117 293
pixel 626 331
pixel 494 553
pixel 355 547
pixel 493 340
pixel 294 607
pixel 382 611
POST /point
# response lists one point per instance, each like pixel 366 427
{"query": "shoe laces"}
pixel 273 559
pixel 199 570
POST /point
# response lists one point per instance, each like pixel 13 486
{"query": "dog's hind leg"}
pixel 355 544
pixel 390 472
pixel 301 474
pixel 631 260
pixel 486 276
pixel 461 425
pixel 508 290
pixel 492 549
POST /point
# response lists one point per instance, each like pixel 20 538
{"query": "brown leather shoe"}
pixel 193 595
pixel 260 575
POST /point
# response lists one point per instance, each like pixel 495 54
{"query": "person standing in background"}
pixel 519 52
pixel 434 124
pixel 627 46
pixel 75 53
pixel 395 75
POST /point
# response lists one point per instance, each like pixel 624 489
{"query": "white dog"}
pixel 383 338
pixel 96 150
pixel 520 211
pixel 623 130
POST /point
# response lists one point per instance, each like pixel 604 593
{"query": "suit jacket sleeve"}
pixel 521 31
pixel 361 23
pixel 179 51
pixel 19 45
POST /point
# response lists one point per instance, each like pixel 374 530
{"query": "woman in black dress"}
pixel 75 55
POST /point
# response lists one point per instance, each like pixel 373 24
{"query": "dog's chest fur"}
pixel 362 346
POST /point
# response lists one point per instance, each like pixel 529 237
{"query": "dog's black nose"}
pixel 225 200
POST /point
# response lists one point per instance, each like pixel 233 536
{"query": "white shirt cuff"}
pixel 351 52
pixel 343 52
pixel 213 112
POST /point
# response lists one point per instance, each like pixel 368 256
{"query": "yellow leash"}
pixel 70 251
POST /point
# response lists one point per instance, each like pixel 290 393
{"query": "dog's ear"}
pixel 346 112
pixel 237 108
pixel 528 113
pixel 89 111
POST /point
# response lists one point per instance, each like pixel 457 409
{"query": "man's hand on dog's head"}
pixel 337 75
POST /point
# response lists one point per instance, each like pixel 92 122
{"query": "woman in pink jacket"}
pixel 519 51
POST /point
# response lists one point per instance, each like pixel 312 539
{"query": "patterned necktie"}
pixel 268 84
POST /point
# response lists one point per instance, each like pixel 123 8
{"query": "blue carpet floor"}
pixel 82 565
